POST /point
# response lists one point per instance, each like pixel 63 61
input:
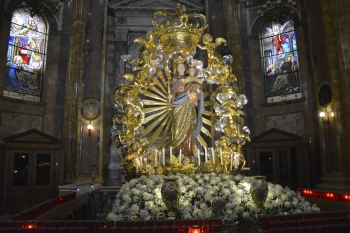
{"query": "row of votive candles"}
pixel 143 160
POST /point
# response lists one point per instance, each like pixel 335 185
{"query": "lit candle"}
pixel 236 158
pixel 205 154
pixel 180 157
pixel 141 164
pixel 163 156
pixel 199 157
pixel 171 155
pixel 155 159
pixel 212 150
pixel 222 162
pixel 146 165
pixel 231 163
pixel 137 167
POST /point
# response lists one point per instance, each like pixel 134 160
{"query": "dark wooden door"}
pixel 31 178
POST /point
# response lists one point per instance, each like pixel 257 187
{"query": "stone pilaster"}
pixel 73 80
pixel 233 38
pixel 336 17
pixel 341 19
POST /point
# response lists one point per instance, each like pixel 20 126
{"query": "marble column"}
pixel 341 19
pixel 233 38
pixel 73 82
pixel 335 19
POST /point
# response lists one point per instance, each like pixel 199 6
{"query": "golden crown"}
pixel 182 38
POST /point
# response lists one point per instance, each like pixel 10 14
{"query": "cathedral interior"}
pixel 59 67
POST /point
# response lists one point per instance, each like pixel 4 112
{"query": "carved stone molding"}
pixel 121 34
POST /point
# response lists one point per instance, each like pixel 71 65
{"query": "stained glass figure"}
pixel 280 61
pixel 25 56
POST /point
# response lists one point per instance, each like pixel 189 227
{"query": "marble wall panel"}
pixel 89 155
pixel 319 41
pixel 293 123
pixel 92 82
pixel 12 123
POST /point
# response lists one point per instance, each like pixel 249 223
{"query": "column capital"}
pixel 121 34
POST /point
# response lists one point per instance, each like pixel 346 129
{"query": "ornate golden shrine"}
pixel 165 104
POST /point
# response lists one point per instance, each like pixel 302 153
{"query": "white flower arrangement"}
pixel 141 199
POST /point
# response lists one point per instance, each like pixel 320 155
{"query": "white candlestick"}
pixel 205 154
pixel 222 162
pixel 155 159
pixel 236 158
pixel 171 155
pixel 137 167
pixel 163 156
pixel 231 163
pixel 141 164
pixel 146 165
pixel 199 158
pixel 180 157
pixel 212 150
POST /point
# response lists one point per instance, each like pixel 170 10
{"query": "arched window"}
pixel 26 55
pixel 280 62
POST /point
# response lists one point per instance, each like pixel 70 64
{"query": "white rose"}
pixel 158 195
pixel 232 183
pixel 295 203
pixel 197 176
pixel 245 215
pixel 237 200
pixel 239 192
pixel 146 196
pixel 287 204
pixel 253 209
pixel 209 214
pixel 277 193
pixel 278 187
pixel 225 177
pixel 278 201
pixel 233 188
pixel 284 197
pixel 184 203
pixel 200 181
pixel 134 208
pixel 203 206
pixel 270 195
pixel 149 205
pixel 228 212
pixel 206 177
pixel 187 215
pixel 155 210
pixel 208 196
pixel 291 194
pixel 226 191
pixel 197 213
pixel 228 206
pixel 191 194
pixel 132 182
pixel 127 200
pixel 212 182
pixel 135 192
pixel 217 179
pixel 192 183
pixel 111 216
pixel 125 196
pixel 239 209
pixel 150 182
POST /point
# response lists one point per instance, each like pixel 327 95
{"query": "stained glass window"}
pixel 280 62
pixel 26 56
